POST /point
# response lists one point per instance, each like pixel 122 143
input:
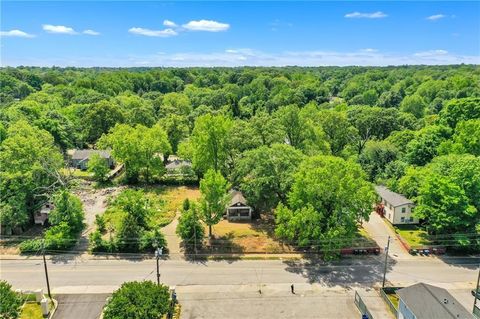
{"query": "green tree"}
pixel 209 142
pixel 139 148
pixel 98 166
pixel 319 214
pixel 190 229
pixel 265 174
pixel 176 127
pixel 29 163
pixel 445 206
pixel 138 300
pixel 413 104
pixel 337 129
pixel 100 118
pixel 376 156
pixel 457 110
pixel 68 209
pixel 214 198
pixel 10 302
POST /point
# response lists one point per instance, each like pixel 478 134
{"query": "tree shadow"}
pixel 460 260
pixel 346 272
pixel 222 248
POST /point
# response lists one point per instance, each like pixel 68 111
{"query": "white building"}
pixel 238 208
pixel 395 207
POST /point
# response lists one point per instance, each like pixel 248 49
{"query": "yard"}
pixel 254 236
pixel 412 234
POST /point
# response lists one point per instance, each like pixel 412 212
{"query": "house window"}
pixel 404 209
pixel 411 219
pixel 402 219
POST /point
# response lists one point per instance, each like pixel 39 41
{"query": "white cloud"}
pixel 16 33
pixel 91 32
pixel 206 25
pixel 154 33
pixel 250 57
pixel 431 53
pixel 436 17
pixel 372 15
pixel 169 23
pixel 58 29
pixel 369 50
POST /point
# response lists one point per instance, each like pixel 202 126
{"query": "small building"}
pixel 80 158
pixel 423 301
pixel 395 207
pixel 238 208
pixel 178 165
pixel 41 216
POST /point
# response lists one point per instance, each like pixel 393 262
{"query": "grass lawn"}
pixel 413 235
pixel 31 310
pixel 254 236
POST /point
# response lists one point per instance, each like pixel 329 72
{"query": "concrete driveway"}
pixel 80 306
pixel 379 231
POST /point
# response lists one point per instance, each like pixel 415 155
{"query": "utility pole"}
pixel 476 310
pixel 46 270
pixel 386 259
pixel 158 253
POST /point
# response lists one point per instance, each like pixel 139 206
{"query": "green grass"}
pixel 31 310
pixel 414 235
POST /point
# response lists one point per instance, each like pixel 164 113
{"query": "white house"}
pixel 238 208
pixel 395 207
pixel 423 301
pixel 41 216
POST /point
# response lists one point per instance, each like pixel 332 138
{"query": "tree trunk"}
pixel 210 231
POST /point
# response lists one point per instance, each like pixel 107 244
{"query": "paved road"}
pixel 79 306
pixel 231 285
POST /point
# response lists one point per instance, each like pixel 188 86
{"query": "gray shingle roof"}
pixel 177 163
pixel 392 198
pixel 430 302
pixel 84 154
pixel 237 197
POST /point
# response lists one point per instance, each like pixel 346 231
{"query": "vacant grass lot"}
pixel 31 310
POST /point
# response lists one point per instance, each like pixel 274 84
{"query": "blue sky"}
pixel 107 33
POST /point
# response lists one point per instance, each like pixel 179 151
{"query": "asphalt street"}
pixel 234 284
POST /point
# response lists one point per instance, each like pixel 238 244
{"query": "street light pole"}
pixel 46 270
pixel 158 253
pixel 386 259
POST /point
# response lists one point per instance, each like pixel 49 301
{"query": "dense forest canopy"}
pixel 392 125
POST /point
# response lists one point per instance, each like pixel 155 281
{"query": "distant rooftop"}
pixel 237 197
pixel 84 154
pixel 392 198
pixel 427 301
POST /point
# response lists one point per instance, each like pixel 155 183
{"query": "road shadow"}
pixel 346 272
pixel 222 248
pixel 461 261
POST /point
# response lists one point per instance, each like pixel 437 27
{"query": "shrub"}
pixel 30 246
pixel 59 237
pixel 138 300
pixel 10 302
pixel 149 238
pixel 189 228
pixel 100 222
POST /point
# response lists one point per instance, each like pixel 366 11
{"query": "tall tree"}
pixel 214 198
pixel 209 142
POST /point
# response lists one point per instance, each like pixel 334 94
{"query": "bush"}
pixel 10 302
pixel 98 244
pixel 149 238
pixel 138 300
pixel 59 237
pixel 30 246
pixel 100 222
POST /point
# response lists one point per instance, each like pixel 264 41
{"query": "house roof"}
pixel 392 198
pixel 237 197
pixel 429 302
pixel 177 163
pixel 84 154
